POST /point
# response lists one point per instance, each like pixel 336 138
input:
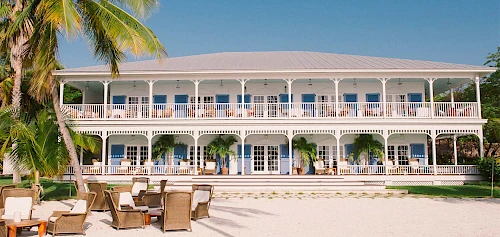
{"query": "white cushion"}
pixel 183 163
pixel 343 163
pixel 53 219
pixel 414 162
pixel 319 164
pixel 149 163
pixel 138 186
pixel 79 207
pixel 199 196
pixel 97 164
pixel 126 199
pixel 126 163
pixel 14 204
pixel 210 165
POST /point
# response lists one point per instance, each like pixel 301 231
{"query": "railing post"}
pixel 150 104
pixel 431 94
pixel 195 150
pixel 434 160
pixel 478 96
pixel 103 151
pixel 61 93
pixel 242 137
pixel 105 103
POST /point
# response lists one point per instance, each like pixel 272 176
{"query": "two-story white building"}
pixel 266 99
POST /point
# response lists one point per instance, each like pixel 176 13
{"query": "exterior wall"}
pixel 91 97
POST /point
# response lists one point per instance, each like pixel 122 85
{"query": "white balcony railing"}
pixel 273 110
pixel 341 170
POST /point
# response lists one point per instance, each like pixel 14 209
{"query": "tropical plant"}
pixel 485 167
pixel 166 145
pixel 222 146
pixel 364 148
pixel 307 151
pixel 30 30
pixel 37 148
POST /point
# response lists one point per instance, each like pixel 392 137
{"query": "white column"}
pixel 452 97
pixel 434 160
pixel 81 156
pixel 481 140
pixel 386 153
pixel 431 94
pixel 61 93
pixel 338 153
pixel 150 147
pixel 289 82
pixel 243 110
pixel 242 154
pixel 455 155
pixel 478 96
pixel 105 104
pixel 337 101
pixel 150 83
pixel 104 151
pixel 196 154
pixel 196 92
pixel 384 99
pixel 290 151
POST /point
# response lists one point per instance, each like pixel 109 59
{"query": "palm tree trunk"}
pixel 17 65
pixel 68 141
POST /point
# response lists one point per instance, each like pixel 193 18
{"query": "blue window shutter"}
pixel 308 98
pixel 284 161
pixel 180 152
pixel 284 151
pixel 221 98
pixel 373 97
pixel 119 99
pixel 248 151
pixel 417 151
pixel 247 98
pixel 117 153
pixel 348 149
pixel 350 97
pixel 415 97
pixel 238 98
pixel 160 99
pixel 181 99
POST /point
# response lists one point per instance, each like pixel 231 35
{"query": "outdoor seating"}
pixel 4 231
pixel 202 196
pixel 71 222
pixel 319 167
pixel 96 168
pixel 210 168
pixel 176 213
pixel 344 112
pixel 184 168
pixel 415 166
pixel 148 167
pixel 2 188
pixel 123 218
pixel 391 168
pixel 342 167
pixel 137 189
pixel 99 203
pixel 126 201
pixel 125 166
pixel 17 200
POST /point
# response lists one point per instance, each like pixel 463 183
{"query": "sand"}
pixel 345 216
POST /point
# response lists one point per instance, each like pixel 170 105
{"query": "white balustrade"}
pixel 84 111
pixel 408 109
pixel 457 169
pixel 456 109
pixel 128 111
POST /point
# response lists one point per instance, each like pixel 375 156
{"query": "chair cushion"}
pixel 199 196
pixel 21 204
pixel 126 163
pixel 210 165
pixel 53 219
pixel 126 199
pixel 79 207
pixel 138 186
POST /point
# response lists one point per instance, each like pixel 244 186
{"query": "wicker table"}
pixel 14 226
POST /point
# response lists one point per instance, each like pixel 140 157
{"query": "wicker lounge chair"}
pixel 138 188
pixel 4 232
pixel 126 201
pixel 123 218
pixel 176 213
pixel 202 196
pixel 319 167
pixel 17 199
pixel 100 203
pixel 3 187
pixel 210 168
pixel 71 222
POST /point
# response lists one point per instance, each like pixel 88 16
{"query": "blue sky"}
pixel 457 31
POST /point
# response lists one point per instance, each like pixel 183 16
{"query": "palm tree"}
pixel 222 147
pixel 30 30
pixel 364 145
pixel 307 151
pixel 165 145
pixel 37 148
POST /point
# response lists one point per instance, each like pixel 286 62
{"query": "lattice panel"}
pixel 237 132
pixel 248 132
pixel 457 131
pixel 452 182
pixel 410 131
pixel 172 132
pixel 145 133
pixel 411 183
pixel 314 131
pixel 374 182
pixel 361 131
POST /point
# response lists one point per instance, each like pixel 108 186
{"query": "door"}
pixel 272 105
pixel 351 105
pixel 137 154
pixel 259 104
pixel 222 105
pixel 181 104
pixel 265 160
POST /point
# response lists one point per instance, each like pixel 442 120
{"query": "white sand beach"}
pixel 346 216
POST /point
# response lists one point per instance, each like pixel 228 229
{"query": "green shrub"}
pixel 484 166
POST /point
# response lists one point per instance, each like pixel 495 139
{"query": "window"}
pixel 202 99
pixel 391 154
pixel 201 150
pixel 334 153
pixel 145 100
pixel 135 157
pixel 133 100
pixel 324 154
pixel 403 155
pixel 395 98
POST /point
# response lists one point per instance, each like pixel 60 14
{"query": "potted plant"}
pixel 307 153
pixel 165 145
pixel 363 146
pixel 222 146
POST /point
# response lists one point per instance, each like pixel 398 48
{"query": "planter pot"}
pixel 225 171
pixel 300 171
pixel 294 170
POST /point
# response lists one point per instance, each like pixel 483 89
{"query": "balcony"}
pixel 341 110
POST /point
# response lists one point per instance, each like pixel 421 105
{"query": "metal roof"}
pixel 277 61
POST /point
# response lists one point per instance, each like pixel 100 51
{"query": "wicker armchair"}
pixel 124 218
pixel 202 196
pixel 71 222
pixel 4 232
pixel 319 167
pixel 176 214
pixel 138 188
pixel 24 206
pixel 100 203
pixel 3 187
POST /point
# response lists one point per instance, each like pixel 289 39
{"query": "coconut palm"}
pixel 363 146
pixel 37 148
pixel 165 145
pixel 222 146
pixel 307 151
pixel 30 29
